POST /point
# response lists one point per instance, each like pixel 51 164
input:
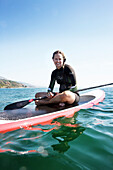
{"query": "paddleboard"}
pixel 23 118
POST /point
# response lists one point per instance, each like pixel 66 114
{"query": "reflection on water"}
pixel 61 129
pixel 67 131
pixel 64 135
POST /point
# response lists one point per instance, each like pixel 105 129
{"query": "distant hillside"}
pixel 4 83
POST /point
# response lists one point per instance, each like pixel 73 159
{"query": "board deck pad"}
pixel 40 110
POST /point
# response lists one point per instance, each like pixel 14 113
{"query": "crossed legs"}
pixel 64 97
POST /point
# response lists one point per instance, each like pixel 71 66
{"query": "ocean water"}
pixel 84 141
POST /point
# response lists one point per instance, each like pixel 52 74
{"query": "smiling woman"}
pixel 58 59
pixel 65 77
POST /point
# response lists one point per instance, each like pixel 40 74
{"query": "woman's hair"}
pixel 59 52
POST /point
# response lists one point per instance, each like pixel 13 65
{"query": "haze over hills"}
pixel 2 78
pixel 5 83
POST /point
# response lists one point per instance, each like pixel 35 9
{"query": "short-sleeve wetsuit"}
pixel 65 76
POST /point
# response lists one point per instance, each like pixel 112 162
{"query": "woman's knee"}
pixel 70 97
pixel 66 96
pixel 67 93
pixel 36 95
pixel 40 94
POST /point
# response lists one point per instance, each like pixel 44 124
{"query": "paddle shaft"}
pixel 89 88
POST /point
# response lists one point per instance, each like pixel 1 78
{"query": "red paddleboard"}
pixel 23 118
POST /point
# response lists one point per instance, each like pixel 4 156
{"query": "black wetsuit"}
pixel 64 76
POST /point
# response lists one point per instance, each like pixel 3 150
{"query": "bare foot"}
pixel 62 104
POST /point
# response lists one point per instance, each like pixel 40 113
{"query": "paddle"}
pixel 20 104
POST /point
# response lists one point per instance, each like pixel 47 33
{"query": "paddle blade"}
pixel 21 104
pixel 18 105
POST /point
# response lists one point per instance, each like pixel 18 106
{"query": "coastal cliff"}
pixel 4 83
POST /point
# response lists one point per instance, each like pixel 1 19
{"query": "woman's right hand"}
pixel 50 95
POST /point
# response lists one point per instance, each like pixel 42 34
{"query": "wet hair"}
pixel 59 52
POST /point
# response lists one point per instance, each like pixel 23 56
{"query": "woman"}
pixel 65 76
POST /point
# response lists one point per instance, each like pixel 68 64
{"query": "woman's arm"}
pixel 52 82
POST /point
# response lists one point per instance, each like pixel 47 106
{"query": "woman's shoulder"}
pixel 54 71
pixel 68 67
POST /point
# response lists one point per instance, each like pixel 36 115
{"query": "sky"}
pixel 31 30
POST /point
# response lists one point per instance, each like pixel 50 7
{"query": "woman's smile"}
pixel 58 60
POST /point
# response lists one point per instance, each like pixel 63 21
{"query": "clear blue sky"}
pixel 31 30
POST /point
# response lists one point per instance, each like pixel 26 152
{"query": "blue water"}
pixel 84 141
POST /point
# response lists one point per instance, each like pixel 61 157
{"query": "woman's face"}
pixel 58 60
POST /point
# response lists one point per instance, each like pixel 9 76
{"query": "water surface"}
pixel 84 141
